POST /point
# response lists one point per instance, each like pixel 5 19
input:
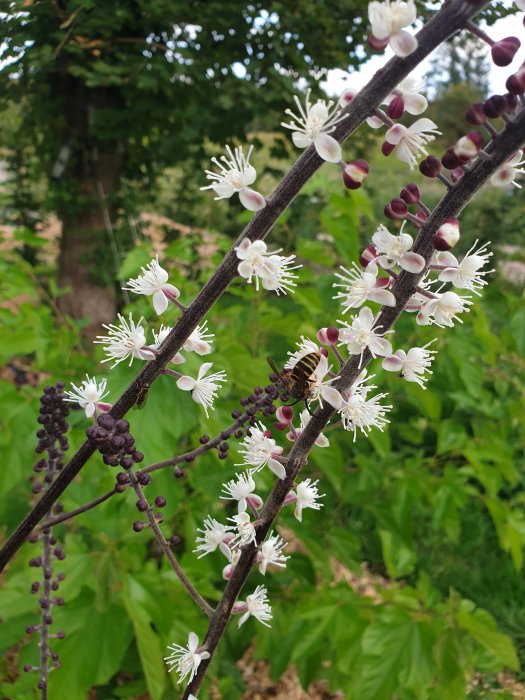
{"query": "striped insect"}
pixel 297 379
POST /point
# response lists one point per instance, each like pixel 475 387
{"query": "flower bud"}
pixel 284 414
pixel 410 194
pixel 516 83
pixel 495 106
pixel 369 254
pixel 511 100
pixel 387 148
pixel 377 44
pixel 421 214
pixel 468 146
pixel 396 107
pixel 355 173
pixel 503 51
pixel 396 209
pixel 450 160
pixel 430 166
pixel 475 114
pixel 328 336
pixel 456 174
pixel 447 235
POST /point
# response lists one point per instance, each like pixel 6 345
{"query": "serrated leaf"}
pixel 497 643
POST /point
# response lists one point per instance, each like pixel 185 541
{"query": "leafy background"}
pixel 409 582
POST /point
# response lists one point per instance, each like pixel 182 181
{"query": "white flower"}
pixel 154 282
pixel 465 274
pixel 160 337
pixel 273 270
pixel 412 365
pixel 305 496
pixel 360 335
pixel 89 395
pixel 360 286
pixel 313 124
pixel 200 340
pixel 203 389
pixel 242 491
pixel 186 660
pixel 408 89
pixel 506 174
pixel 362 413
pixel 271 553
pixel 260 450
pixel 305 417
pixel 409 142
pixel 233 559
pixel 236 174
pixel 256 605
pixel 395 250
pixel 215 535
pixel 388 19
pixel 125 340
pixel 317 388
pixel 245 530
pixel 443 310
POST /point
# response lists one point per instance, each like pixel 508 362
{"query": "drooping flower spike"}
pixel 235 175
pixel 273 270
pixel 154 282
pixel 313 125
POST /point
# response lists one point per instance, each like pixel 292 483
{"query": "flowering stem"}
pixel 450 18
pixel 203 605
pixel 507 143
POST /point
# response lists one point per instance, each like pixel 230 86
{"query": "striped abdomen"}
pixel 305 367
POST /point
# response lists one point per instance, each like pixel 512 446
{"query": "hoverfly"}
pixel 296 380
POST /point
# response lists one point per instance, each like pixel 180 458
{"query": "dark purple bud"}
pixel 410 194
pixel 225 435
pixel 138 525
pixel 495 106
pixel 111 460
pixel 117 443
pixel 159 502
pixel 121 426
pixel 35 586
pixel 387 148
pixel 175 540
pixel 125 462
pixel 142 505
pixel 178 473
pixel 239 433
pixel 450 159
pixel 47 619
pixel 35 561
pixel 516 83
pixel 205 438
pixel 421 214
pixel 59 601
pixel 369 254
pixel 503 51
pixel 512 101
pixel 224 447
pixel 189 458
pixel 61 634
pixel 396 107
pixel 430 166
pixel 137 456
pixel 120 488
pixel 55 586
pixel 61 576
pixel 236 414
pixel 355 173
pixel 456 174
pixel 222 455
pixel 396 209
pixel 106 421
pixel 122 478
pixel 27 668
pixel 144 479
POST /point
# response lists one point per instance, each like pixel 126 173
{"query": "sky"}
pixel 338 79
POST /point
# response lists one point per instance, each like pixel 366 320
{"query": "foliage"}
pixel 434 504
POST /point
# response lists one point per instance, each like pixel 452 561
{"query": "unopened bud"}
pixel 516 83
pixel 396 107
pixel 468 146
pixel 355 173
pixel 503 51
pixel 511 100
pixel 369 254
pixel 430 166
pixel 410 194
pixel 495 106
pixel 447 235
pixel 450 160
pixel 284 414
pixel 328 336
pixel 456 174
pixel 396 209
pixel 421 214
pixel 387 148
pixel 377 44
pixel 475 114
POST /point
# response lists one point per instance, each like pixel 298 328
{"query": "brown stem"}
pixel 501 148
pixel 451 17
pixel 77 511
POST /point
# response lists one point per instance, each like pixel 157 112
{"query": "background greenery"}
pixel 409 582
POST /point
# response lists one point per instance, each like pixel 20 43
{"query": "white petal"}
pixel 382 296
pixel 412 262
pixel 423 124
pixel 381 347
pixel 403 43
pixel 447 259
pixel 204 368
pixel 251 200
pixel 330 394
pixel 186 383
pixel 415 103
pixel 375 122
pixel 223 189
pixel 393 363
pixel 277 468
pixel 328 148
pixel 301 140
pixel 160 302
pixel 193 642
pixel 90 409
pixel 322 441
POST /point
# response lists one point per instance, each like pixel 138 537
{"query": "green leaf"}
pixel 481 627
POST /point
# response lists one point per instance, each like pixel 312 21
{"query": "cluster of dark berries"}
pixel 52 435
pixel 142 505
pixel 114 442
